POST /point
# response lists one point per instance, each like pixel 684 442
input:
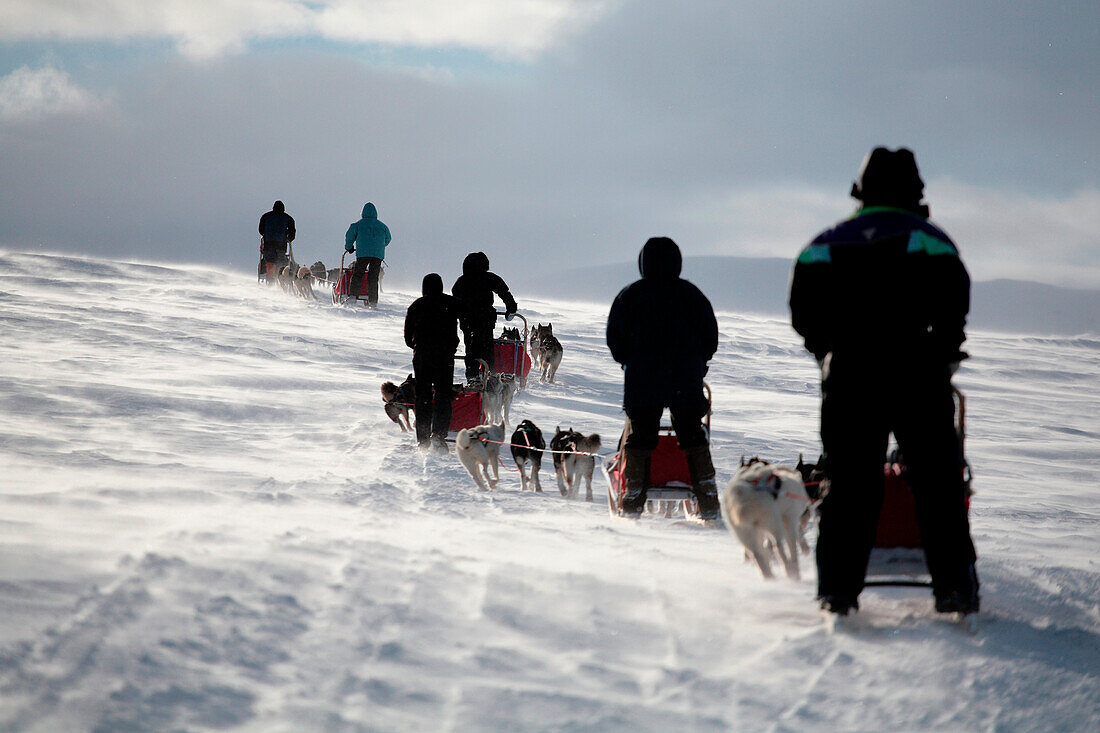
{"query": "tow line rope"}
pixel 485 439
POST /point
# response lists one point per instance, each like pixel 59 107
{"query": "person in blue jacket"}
pixel 881 301
pixel 368 238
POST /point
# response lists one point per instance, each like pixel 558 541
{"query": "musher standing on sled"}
pixel 368 238
pixel 276 232
pixel 663 331
pixel 881 300
pixel 431 331
pixel 474 290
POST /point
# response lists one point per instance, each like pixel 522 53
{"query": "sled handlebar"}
pixel 518 315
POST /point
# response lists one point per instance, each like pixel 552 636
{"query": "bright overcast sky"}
pixel 547 133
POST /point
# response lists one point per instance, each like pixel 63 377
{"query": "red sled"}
pixel 669 476
pixel 897 556
pixel 341 291
pixel 465 409
pixel 510 357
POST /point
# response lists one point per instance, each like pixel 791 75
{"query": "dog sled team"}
pixel 880 300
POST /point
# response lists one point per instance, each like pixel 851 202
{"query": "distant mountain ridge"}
pixel 759 285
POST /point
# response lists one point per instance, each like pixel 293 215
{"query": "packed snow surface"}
pixel 209 524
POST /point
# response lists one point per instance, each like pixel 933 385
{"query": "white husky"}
pixel 479 448
pixel 767 502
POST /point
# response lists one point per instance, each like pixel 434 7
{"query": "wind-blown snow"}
pixel 209 524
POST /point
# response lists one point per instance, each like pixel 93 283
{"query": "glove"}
pixel 509 316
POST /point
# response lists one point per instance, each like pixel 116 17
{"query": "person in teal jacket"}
pixel 368 238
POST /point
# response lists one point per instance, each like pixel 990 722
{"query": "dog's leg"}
pixel 750 538
pixel 494 459
pixel 790 536
pixel 588 484
pixel 535 477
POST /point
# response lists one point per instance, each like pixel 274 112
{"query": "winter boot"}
pixel 636 477
pixel 964 601
pixel 703 482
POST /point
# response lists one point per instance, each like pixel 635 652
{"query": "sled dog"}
pixel 397 401
pixel 492 398
pixel 478 448
pixel 303 283
pixel 549 351
pixel 765 503
pixel 527 447
pixel 572 465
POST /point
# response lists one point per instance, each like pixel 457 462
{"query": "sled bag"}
pixel 509 357
pixel 465 409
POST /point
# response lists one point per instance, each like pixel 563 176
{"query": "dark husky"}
pixel 527 447
pixel 398 400
pixel 573 463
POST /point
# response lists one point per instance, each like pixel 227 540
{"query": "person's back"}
pixel 476 286
pixel 881 301
pixel 474 290
pixel 276 233
pixel 885 287
pixel 277 226
pixel 368 238
pixel 368 235
pixel 431 324
pixel 662 329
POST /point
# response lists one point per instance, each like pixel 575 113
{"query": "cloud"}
pixel 1004 234
pixel 514 28
pixel 29 94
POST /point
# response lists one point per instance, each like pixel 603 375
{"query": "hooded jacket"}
pixel 368 237
pixel 277 226
pixel 475 287
pixel 662 330
pixel 885 289
pixel 431 323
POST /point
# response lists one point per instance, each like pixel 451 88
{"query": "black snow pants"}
pixel 859 410
pixel 477 338
pixel 373 267
pixel 643 422
pixel 434 382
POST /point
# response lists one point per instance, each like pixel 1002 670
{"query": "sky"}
pixel 546 133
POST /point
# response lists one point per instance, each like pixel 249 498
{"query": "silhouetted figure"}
pixel 276 233
pixel 662 329
pixel 474 289
pixel 431 331
pixel 881 300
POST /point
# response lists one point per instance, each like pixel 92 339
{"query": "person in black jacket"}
pixel 663 331
pixel 474 290
pixel 431 331
pixel 881 301
pixel 276 232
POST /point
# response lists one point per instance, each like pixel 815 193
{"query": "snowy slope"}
pixel 209 524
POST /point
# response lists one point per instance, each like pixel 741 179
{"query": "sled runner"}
pixel 510 357
pixel 669 477
pixel 897 557
pixel 341 288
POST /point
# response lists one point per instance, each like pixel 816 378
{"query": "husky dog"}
pixel 549 350
pixel 814 477
pixel 492 398
pixel 510 334
pixel 573 464
pixel 527 447
pixel 303 283
pixel 764 504
pixel 534 345
pixel 286 276
pixel 398 400
pixel 478 448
